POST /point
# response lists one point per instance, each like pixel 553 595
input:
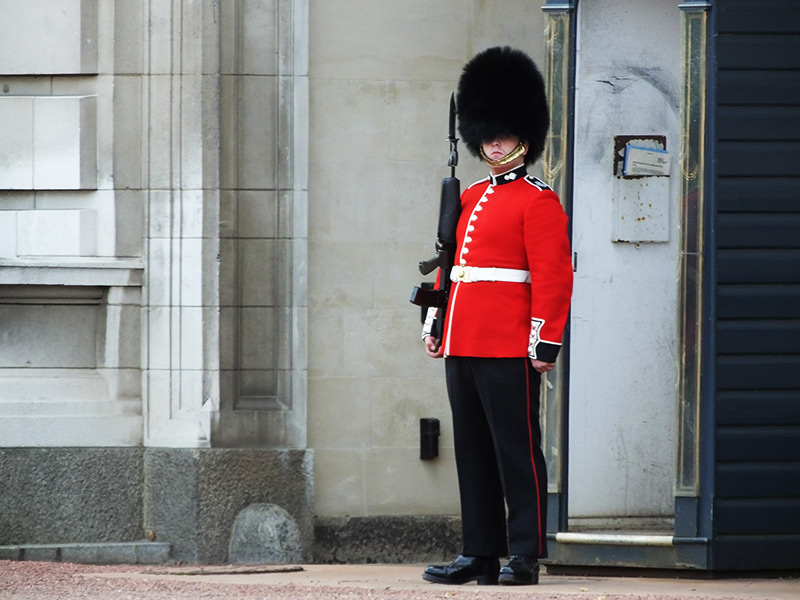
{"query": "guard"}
pixel 506 313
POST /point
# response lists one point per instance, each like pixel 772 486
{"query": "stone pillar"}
pixel 223 98
pixel 224 107
pixel 179 89
pixel 263 233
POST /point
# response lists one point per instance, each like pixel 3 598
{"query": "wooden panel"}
pixel 756 150
pixel 767 88
pixel 758 122
pixel 758 266
pixel 758 231
pixel 766 517
pixel 758 408
pixel 758 337
pixel 761 52
pixel 759 195
pixel 756 552
pixel 758 373
pixel 758 159
pixel 747 16
pixel 771 444
pixel 758 480
pixel 758 301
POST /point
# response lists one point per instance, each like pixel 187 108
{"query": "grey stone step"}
pixel 103 553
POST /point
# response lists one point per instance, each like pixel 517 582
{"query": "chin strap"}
pixel 515 153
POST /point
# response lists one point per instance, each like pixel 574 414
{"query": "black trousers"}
pixel 495 406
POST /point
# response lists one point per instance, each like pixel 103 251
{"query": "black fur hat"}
pixel 501 92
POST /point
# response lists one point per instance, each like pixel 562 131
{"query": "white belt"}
pixel 470 274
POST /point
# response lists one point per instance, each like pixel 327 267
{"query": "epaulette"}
pixel 537 183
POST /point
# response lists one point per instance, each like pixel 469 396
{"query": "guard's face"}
pixel 497 149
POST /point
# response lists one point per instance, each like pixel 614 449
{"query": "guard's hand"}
pixel 433 347
pixel 542 367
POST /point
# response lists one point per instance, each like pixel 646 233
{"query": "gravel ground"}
pixel 64 581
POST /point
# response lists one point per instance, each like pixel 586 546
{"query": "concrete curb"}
pixel 122 553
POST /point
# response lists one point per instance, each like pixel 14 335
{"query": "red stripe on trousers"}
pixel 533 460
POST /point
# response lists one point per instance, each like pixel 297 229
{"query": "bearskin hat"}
pixel 501 92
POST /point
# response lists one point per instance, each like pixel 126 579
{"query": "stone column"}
pixel 264 174
pixel 180 166
pixel 224 94
pixel 223 98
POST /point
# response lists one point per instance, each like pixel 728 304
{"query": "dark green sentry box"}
pixel 737 476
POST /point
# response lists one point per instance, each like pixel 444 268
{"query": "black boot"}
pixel 463 570
pixel 520 570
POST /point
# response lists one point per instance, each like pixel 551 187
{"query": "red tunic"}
pixel 510 221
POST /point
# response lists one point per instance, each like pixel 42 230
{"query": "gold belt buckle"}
pixel 460 273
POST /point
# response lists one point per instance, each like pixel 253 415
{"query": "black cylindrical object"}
pixel 428 438
pixel 449 210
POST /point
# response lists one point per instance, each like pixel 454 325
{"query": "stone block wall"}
pixel 387 539
pixel 380 76
pixel 192 497
pixel 187 498
pixel 209 240
pixel 152 212
pixel 70 256
pixel 70 495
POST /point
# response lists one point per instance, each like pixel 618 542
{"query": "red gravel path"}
pixel 64 581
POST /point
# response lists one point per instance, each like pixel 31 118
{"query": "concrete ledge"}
pixel 74 271
pixel 387 539
pixel 122 553
pixel 571 554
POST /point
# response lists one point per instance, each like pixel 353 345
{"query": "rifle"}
pixel 449 210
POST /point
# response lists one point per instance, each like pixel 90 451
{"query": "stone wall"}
pixel 210 219
pixel 383 539
pixel 192 497
pixel 70 256
pixel 70 495
pixel 188 498
pixel 380 77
